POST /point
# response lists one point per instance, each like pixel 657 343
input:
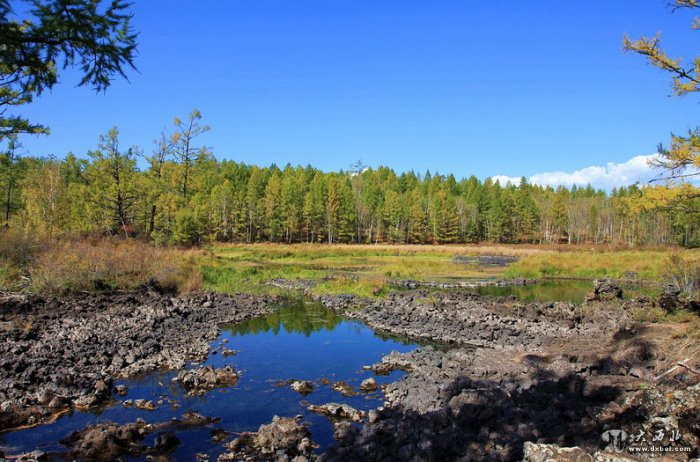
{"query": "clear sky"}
pixel 467 87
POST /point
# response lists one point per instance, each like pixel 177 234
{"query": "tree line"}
pixel 181 194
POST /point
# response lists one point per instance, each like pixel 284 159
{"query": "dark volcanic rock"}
pixel 543 452
pixel 412 284
pixel 501 373
pixel 107 441
pixel 482 421
pixel 110 441
pixel 303 387
pixel 514 372
pixel 166 442
pixel 298 284
pixel 204 378
pixel 605 289
pixel 338 411
pixel 369 385
pixel 145 404
pixel 34 456
pixel 343 388
pixel 61 352
pixel 668 300
pixel 283 439
pixel 693 305
pixel 458 318
pixel 485 260
pixel 538 375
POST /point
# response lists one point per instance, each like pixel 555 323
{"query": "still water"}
pixel 573 291
pixel 303 341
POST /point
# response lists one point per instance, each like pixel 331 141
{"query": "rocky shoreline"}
pixel 60 353
pixel 505 380
pixel 556 376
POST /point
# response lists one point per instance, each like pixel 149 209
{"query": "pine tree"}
pixel 255 191
pixel 51 35
pixel 314 209
pixel 346 213
pixel 496 216
pixel 112 184
pixel 560 214
pixel 11 172
pixel 445 219
pixel 273 216
pixel 393 216
pixel 682 158
pixel 185 152
pixel 292 202
pixel 418 226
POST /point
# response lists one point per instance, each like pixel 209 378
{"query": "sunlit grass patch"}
pixel 44 264
pixel 646 264
pixel 106 264
pixel 355 269
pixel 370 269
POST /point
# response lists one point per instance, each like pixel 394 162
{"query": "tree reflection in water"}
pixel 300 317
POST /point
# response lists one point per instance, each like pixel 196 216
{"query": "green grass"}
pixel 650 265
pixel 8 274
pixel 366 270
pixel 360 270
pixel 369 270
pixel 247 277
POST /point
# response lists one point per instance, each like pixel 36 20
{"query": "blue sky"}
pixel 468 87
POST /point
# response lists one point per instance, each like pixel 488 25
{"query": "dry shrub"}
pixel 111 265
pixel 18 247
pixel 185 278
pixel 667 342
pixel 646 314
pixel 634 351
pixel 682 345
pixel 683 274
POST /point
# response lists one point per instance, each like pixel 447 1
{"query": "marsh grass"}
pixel 44 264
pixel 18 249
pixel 675 342
pixel 683 274
pixel 673 335
pixel 369 270
pixel 49 265
pixel 107 264
pixel 339 269
pixel 648 264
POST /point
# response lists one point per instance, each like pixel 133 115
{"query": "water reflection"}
pixel 299 341
pixel 298 317
pixel 574 291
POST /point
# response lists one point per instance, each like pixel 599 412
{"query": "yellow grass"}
pixel 368 269
pixel 29 262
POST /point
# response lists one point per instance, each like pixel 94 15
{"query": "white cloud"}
pixel 504 180
pixel 612 175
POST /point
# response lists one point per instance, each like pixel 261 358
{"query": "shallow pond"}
pixel 303 341
pixel 573 291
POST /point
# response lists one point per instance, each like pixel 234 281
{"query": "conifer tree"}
pixel 112 184
pixel 682 158
pixel 50 35
pixel 11 171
